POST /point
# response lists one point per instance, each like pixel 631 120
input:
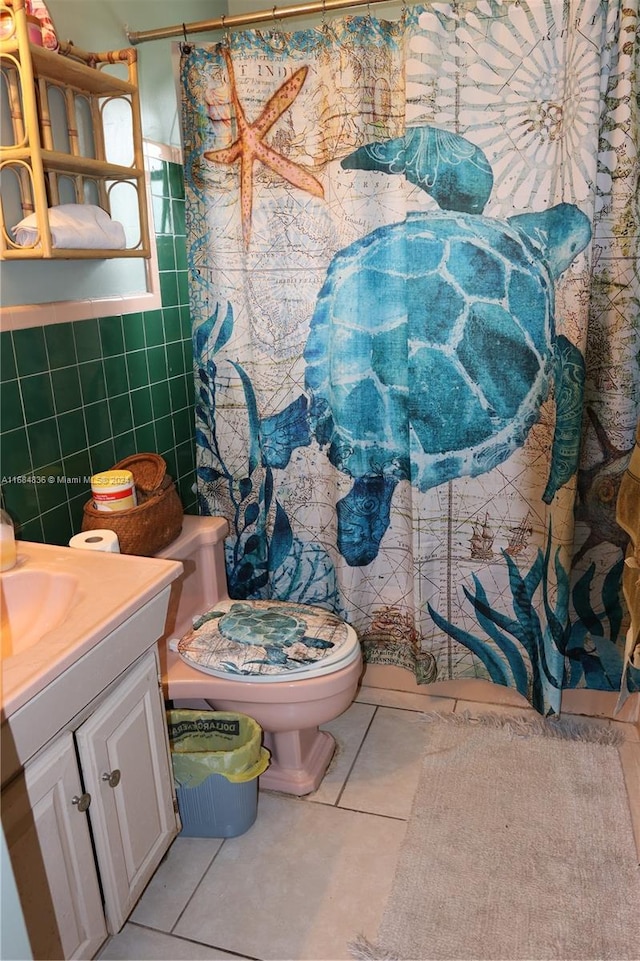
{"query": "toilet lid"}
pixel 268 641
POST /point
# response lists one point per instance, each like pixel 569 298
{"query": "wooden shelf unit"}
pixel 33 167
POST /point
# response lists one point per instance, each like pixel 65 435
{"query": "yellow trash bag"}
pixel 215 742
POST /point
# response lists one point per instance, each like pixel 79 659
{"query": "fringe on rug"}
pixel 363 950
pixel 560 728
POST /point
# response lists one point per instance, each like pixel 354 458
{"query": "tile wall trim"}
pixel 574 701
pixel 68 311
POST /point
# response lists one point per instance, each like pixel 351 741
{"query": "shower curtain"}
pixel 412 251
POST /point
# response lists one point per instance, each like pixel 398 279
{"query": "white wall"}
pixel 103 25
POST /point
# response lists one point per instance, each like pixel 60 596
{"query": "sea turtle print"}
pixel 262 637
pixel 433 342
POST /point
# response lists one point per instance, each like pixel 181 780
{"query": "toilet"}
pixel 289 704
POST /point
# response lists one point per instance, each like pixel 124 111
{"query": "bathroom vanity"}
pixel 88 806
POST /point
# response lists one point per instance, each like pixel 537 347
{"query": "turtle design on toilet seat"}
pixel 312 681
pixel 276 625
pixel 264 638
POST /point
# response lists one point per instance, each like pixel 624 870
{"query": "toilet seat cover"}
pixel 268 640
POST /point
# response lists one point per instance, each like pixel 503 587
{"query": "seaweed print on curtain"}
pixel 401 236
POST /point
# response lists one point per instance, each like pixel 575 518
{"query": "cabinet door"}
pixel 125 762
pixel 52 857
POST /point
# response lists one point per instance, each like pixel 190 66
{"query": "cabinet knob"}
pixel 113 779
pixel 82 802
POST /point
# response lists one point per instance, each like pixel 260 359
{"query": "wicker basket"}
pixel 148 470
pixel 155 522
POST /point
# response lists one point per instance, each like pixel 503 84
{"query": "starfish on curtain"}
pixel 249 145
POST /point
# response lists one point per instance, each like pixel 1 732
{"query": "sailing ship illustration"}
pixel 482 539
pixel 520 535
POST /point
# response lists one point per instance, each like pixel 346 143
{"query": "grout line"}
pixel 191 896
pixel 371 814
pixel 186 940
pixel 401 707
pixel 336 803
pixel 332 804
pixel 400 691
pixel 461 707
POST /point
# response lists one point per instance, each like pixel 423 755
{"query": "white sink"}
pixel 58 603
pixel 32 602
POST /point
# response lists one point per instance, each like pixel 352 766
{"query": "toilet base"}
pixel 290 714
pixel 299 760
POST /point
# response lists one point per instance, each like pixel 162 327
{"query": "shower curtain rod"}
pixel 243 19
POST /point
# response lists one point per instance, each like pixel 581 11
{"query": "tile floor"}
pixel 312 872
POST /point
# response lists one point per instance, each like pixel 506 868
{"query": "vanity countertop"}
pixel 89 594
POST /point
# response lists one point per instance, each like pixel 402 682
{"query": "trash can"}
pixel 217 758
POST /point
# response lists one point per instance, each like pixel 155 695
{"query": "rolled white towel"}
pixel 75 226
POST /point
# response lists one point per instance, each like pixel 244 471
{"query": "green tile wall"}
pixel 77 397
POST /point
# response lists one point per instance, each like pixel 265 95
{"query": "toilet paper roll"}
pixel 98 540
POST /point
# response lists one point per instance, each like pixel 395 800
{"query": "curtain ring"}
pixel 186 46
pixel 277 23
pixel 324 16
pixel 227 36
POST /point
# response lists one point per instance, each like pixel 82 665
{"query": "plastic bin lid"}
pixel 268 641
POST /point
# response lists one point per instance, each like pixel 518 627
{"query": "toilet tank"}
pixel 200 547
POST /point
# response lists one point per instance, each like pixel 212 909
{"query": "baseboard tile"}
pixel 581 701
